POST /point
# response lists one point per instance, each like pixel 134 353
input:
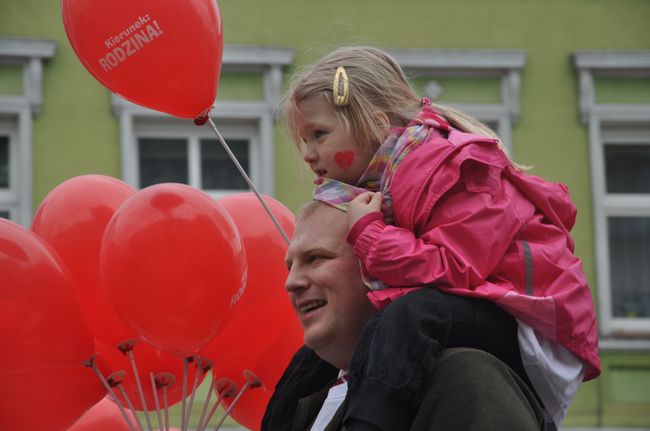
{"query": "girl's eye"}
pixel 319 133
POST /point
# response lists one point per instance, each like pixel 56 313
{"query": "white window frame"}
pixel 193 136
pixel 496 63
pixel 253 119
pixel 9 196
pixel 17 113
pixel 606 124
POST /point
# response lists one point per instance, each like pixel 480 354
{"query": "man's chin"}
pixel 314 340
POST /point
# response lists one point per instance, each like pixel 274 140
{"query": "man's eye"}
pixel 315 258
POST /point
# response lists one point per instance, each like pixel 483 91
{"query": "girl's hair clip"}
pixel 341 87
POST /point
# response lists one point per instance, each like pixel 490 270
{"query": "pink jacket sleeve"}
pixel 466 234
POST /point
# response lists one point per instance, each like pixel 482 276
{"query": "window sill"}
pixel 636 344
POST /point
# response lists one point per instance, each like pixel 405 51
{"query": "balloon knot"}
pixel 251 379
pixel 116 378
pixel 127 346
pixel 203 364
pixel 90 362
pixel 225 387
pixel 202 118
pixel 164 379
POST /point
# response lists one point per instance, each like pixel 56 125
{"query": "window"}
pixel 626 154
pixel 192 155
pixel 162 160
pixel 21 65
pixel 217 171
pixel 159 148
pixel 491 75
pixel 619 135
pixel 8 195
pixel 4 163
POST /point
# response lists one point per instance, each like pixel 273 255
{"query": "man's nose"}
pixel 295 280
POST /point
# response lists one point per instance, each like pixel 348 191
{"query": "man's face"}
pixel 325 286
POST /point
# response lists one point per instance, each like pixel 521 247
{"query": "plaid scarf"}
pixel 377 176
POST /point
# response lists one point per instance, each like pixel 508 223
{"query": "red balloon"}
pixel 44 338
pixel 140 49
pixel 72 219
pixel 103 416
pixel 148 360
pixel 270 363
pixel 173 266
pixel 264 333
pixel 52 399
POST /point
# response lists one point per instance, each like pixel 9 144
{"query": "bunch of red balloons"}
pixel 107 275
pixel 169 266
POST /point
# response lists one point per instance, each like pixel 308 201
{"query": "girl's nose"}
pixel 310 155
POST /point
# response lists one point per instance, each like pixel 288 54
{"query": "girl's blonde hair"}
pixel 376 83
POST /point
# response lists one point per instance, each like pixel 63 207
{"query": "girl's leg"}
pixel 483 325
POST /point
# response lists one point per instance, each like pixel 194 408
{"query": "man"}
pixel 469 389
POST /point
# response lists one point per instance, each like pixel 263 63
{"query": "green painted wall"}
pixel 11 80
pixel 76 132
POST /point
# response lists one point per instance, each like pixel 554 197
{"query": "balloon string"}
pixel 205 405
pixel 93 366
pixel 155 398
pixel 230 407
pixel 189 409
pixel 131 357
pixel 166 404
pixel 248 180
pixel 224 388
pixel 186 361
pixel 130 404
pixel 251 382
pixel 204 425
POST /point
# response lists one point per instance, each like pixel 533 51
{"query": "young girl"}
pixel 470 251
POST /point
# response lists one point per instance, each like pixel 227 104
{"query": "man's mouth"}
pixel 310 306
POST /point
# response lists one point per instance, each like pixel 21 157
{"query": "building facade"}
pixel 566 84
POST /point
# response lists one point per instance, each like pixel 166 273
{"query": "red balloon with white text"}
pixel 164 55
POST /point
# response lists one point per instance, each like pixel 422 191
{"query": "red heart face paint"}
pixel 344 159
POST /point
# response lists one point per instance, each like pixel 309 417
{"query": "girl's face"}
pixel 326 147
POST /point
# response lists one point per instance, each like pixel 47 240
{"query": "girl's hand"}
pixel 363 204
pixel 388 214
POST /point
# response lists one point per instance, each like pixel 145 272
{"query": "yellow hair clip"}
pixel 341 87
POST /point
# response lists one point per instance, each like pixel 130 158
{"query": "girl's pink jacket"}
pixel 467 222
